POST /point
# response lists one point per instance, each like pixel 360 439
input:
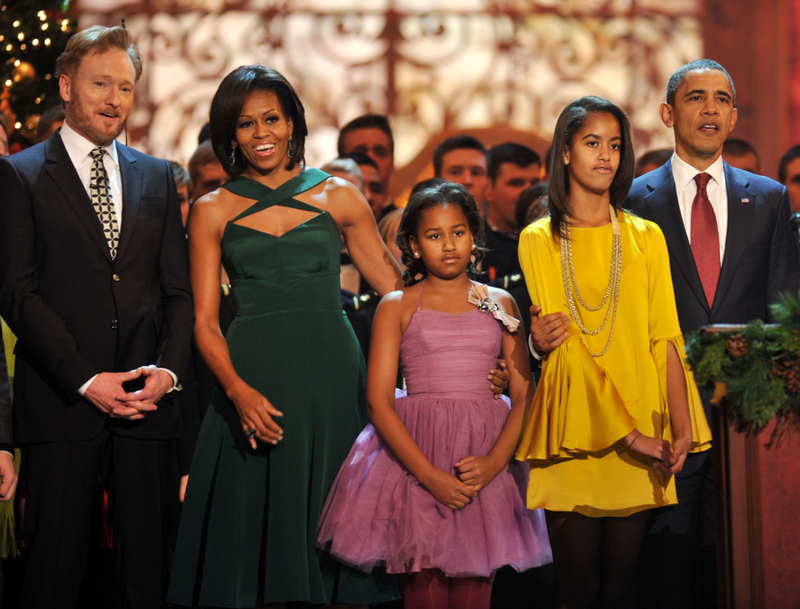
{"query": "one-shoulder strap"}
pixel 421 288
pixel 283 195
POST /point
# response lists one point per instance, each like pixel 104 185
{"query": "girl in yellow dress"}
pixel 616 410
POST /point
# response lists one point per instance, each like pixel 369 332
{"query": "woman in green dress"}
pixel 290 376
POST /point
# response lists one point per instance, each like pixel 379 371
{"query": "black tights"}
pixel 594 558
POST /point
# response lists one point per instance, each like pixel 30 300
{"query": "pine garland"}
pixel 759 365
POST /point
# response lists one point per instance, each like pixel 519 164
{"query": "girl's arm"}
pixel 384 355
pixel 476 470
pixel 205 232
pixel 678 404
pixel 364 243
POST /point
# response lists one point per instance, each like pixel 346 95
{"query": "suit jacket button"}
pixel 115 277
pixel 114 324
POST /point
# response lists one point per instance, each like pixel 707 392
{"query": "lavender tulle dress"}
pixel 378 514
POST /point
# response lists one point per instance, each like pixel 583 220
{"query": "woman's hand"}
pixel 477 472
pixel 256 412
pixel 680 449
pixel 657 449
pixel 449 490
pixel 499 378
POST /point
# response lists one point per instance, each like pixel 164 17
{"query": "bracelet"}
pixel 634 440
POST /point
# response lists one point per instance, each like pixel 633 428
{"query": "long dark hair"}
pixel 227 105
pixel 570 122
pixel 448 193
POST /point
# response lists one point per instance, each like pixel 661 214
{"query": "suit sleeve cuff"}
pixel 176 386
pixel 82 389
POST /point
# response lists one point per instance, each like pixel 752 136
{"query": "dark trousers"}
pixel 677 565
pixel 62 479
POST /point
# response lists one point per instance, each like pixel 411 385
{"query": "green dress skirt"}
pixel 250 518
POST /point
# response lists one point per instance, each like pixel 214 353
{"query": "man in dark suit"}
pixel 94 283
pixel 731 253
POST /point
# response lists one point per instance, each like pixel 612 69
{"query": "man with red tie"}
pixel 731 253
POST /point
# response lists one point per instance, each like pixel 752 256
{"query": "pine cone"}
pixel 782 368
pixel 736 346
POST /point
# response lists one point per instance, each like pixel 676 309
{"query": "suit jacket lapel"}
pixel 132 177
pixel 59 167
pixel 663 205
pixel 741 207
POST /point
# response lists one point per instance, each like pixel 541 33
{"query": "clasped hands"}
pixel 472 474
pixel 108 395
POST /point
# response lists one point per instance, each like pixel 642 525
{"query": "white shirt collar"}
pixel 683 173
pixel 78 147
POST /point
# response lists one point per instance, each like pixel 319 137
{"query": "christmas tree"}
pixel 33 33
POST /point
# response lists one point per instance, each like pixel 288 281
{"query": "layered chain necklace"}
pixel 571 285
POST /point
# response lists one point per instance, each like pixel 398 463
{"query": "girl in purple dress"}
pixel 429 489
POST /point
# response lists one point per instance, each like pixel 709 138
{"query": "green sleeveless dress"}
pixel 250 518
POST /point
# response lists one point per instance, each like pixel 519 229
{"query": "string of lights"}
pixel 33 33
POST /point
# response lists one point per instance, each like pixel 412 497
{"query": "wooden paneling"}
pixel 757 44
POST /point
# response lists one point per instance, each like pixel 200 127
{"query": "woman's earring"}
pixel 232 158
pixel 416 254
pixel 473 246
pixel 290 152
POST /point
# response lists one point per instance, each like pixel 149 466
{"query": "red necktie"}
pixel 705 238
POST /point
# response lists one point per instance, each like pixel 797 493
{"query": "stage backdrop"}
pixel 433 66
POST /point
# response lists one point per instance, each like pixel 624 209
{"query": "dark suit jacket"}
pixel 76 312
pixel 760 252
pixel 6 442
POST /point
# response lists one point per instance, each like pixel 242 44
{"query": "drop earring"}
pixel 232 158
pixel 290 152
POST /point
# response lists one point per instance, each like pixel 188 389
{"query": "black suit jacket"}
pixel 76 312
pixel 760 258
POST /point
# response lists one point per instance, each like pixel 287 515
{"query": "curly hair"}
pixel 446 193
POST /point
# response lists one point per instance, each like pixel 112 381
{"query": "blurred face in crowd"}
pixel 373 188
pixel 98 96
pixel 503 193
pixel 3 141
pixel 793 183
pixel 376 145
pixel 209 177
pixel 701 116
pixel 468 167
pixel 183 199
pixel 747 162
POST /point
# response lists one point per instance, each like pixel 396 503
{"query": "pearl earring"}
pixel 416 254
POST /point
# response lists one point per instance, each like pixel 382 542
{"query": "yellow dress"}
pixel 584 406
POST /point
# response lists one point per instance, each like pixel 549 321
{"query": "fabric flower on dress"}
pixel 479 296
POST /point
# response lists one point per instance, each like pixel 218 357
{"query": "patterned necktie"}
pixel 101 200
pixel 705 238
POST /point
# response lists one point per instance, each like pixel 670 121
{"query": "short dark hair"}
pixel 676 80
pixel 367 121
pixel 658 157
pixel 97 39
pixel 429 183
pixel 50 116
pixel 227 105
pixel 570 122
pixel 456 142
pixel 736 147
pixel 202 155
pixel 448 193
pixel 788 156
pixel 527 197
pixel 511 152
pixel 361 159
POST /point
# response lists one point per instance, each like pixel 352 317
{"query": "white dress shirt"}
pixel 79 150
pixel 686 189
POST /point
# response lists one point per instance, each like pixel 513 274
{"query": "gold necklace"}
pixel 612 291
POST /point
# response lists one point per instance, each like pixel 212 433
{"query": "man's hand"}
pixel 499 378
pixel 548 331
pixel 156 384
pixel 9 476
pixel 105 390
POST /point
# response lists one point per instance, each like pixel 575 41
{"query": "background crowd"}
pixel 111 388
